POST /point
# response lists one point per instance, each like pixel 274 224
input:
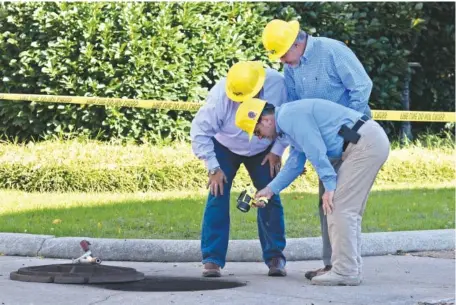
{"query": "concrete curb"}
pixel 22 244
pixel 157 250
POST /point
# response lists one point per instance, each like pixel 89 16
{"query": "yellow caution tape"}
pixel 413 116
pixel 103 101
pixel 378 115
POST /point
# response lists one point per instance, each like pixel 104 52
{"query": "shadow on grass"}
pixel 390 210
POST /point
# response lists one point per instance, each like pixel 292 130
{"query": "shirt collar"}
pixel 261 93
pixel 307 52
pixel 309 49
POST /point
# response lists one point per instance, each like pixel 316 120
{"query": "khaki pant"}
pixel 361 163
pixel 326 251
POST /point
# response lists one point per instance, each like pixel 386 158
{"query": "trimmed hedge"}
pixel 177 51
pixel 91 166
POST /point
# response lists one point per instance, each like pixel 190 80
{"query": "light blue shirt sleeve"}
pixel 207 122
pixel 354 77
pixel 290 171
pixel 290 84
pixel 303 129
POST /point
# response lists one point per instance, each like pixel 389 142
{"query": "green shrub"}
pixel 432 86
pixel 177 51
pixel 165 51
pixel 91 166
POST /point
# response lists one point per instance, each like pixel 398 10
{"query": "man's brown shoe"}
pixel 211 270
pixel 310 274
pixel 277 267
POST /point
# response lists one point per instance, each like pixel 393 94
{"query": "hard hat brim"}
pixel 294 24
pixel 252 130
pixel 249 124
pixel 259 84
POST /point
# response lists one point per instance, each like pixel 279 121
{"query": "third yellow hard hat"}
pixel 248 114
pixel 244 80
pixel 279 36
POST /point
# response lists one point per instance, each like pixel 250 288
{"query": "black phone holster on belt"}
pixel 351 135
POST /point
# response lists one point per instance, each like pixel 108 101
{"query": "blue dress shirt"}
pixel 329 70
pixel 311 127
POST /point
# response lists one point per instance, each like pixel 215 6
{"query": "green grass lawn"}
pixel 173 215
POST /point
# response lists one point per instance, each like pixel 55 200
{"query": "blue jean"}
pixel 216 219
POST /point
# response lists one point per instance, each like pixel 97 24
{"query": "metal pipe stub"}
pixel 76 274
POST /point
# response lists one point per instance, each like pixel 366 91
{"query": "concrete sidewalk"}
pixel 387 280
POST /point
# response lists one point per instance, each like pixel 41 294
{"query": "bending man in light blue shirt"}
pixel 322 68
pixel 319 130
pixel 224 147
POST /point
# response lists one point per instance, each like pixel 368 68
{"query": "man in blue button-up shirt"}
pixel 318 67
pixel 321 68
pixel 320 130
pixel 224 147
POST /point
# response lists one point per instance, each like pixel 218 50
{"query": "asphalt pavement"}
pixel 390 279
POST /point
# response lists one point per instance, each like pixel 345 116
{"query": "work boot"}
pixel 211 270
pixel 331 278
pixel 277 267
pixel 310 274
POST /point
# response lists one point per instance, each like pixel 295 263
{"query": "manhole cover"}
pixel 76 274
pixel 160 283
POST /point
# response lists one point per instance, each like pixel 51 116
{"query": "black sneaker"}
pixel 310 274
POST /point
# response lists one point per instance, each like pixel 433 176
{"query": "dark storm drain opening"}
pixel 160 283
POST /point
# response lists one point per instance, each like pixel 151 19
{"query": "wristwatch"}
pixel 214 170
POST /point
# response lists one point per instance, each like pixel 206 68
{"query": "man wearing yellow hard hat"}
pixel 320 130
pixel 318 67
pixel 224 147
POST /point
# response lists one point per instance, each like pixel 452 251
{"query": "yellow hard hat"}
pixel 248 114
pixel 279 36
pixel 244 80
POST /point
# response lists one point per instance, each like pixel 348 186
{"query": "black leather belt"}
pixel 355 128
